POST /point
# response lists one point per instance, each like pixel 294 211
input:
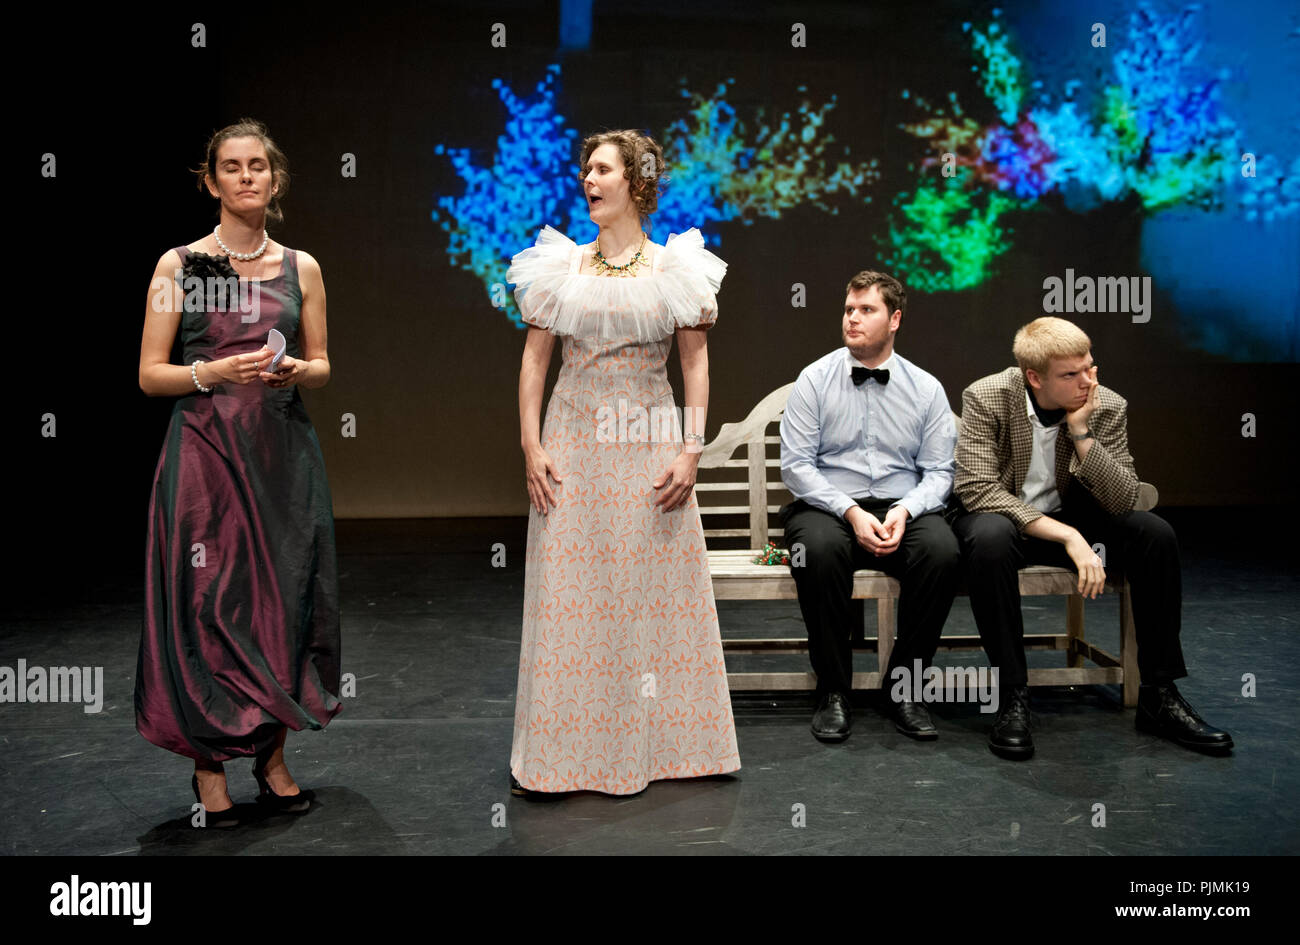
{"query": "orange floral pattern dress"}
pixel 621 676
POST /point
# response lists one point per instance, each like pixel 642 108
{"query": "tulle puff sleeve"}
pixel 540 275
pixel 688 280
pixel 680 293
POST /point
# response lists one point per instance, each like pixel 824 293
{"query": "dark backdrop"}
pixel 419 356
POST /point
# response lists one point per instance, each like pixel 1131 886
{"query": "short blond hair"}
pixel 1046 338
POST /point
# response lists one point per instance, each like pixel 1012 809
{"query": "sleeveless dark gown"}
pixel 241 621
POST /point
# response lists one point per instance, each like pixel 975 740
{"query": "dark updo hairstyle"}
pixel 633 146
pixel 250 128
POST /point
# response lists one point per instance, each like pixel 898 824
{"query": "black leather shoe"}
pixel 1009 737
pixel 1163 711
pixel 833 719
pixel 913 720
pixel 517 789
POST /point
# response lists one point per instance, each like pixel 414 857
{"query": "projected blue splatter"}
pixel 1158 133
pixel 721 168
pixel 1158 125
pixel 528 180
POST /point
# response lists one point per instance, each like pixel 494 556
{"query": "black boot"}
pixel 1163 711
pixel 1009 737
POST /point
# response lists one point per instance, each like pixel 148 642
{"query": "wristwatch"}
pixel 1085 435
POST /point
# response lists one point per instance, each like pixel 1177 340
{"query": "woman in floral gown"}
pixel 621 675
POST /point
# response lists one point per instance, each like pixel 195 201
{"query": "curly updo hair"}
pixel 643 165
pixel 249 128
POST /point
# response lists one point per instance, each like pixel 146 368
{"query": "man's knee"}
pixel 1151 524
pixel 987 536
pixel 938 546
pixel 816 542
pixel 1151 532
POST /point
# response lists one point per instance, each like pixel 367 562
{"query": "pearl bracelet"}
pixel 697 437
pixel 194 374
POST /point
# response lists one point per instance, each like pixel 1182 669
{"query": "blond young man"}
pixel 1043 474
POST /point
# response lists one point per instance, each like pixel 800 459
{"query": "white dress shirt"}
pixel 841 441
pixel 1039 489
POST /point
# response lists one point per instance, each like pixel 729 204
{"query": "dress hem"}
pixel 638 790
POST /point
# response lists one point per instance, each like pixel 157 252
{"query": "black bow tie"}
pixel 860 374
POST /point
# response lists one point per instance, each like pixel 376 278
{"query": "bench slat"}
pixel 795 682
pixel 759 646
pixel 734 570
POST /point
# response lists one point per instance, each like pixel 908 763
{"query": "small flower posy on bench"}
pixel 771 554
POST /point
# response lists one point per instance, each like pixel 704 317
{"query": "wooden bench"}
pixel 740 458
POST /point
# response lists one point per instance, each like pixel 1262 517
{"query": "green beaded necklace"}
pixel 604 267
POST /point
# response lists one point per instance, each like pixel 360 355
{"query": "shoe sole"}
pixel 1225 749
pixel 1208 748
pixel 830 738
pixel 1204 748
pixel 1019 753
pixel 919 736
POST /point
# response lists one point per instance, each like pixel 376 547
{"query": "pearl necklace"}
pixel 233 255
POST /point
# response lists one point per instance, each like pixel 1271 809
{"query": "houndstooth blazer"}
pixel 995 443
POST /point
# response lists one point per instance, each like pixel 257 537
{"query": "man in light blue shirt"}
pixel 867 444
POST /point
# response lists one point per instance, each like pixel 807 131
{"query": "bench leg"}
pixel 885 627
pixel 1073 630
pixel 1128 649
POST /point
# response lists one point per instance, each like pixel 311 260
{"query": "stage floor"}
pixel 417 761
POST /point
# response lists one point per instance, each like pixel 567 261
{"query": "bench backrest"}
pixel 757 440
pixel 742 455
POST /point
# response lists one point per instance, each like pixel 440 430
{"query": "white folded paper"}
pixel 276 342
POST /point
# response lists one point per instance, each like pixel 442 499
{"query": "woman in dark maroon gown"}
pixel 241 624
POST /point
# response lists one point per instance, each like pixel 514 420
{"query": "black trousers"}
pixel 927 565
pixel 1140 545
